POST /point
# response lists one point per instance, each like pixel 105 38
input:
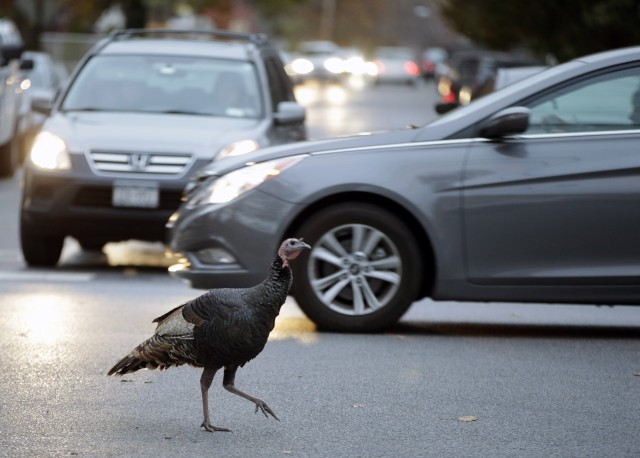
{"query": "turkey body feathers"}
pixel 227 326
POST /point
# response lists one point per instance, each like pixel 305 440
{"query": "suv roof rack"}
pixel 257 38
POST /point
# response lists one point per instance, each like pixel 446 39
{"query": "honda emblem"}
pixel 139 161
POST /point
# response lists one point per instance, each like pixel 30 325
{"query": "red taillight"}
pixel 411 68
pixel 380 66
pixel 449 98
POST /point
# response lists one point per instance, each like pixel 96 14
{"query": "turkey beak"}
pixel 305 245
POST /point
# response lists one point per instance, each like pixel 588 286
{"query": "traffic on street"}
pixel 449 378
pixel 215 247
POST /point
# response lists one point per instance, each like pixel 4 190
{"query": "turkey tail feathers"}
pixel 156 352
pixel 127 365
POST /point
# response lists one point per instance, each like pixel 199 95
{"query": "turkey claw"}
pixel 209 427
pixel 265 409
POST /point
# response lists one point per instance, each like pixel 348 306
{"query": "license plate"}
pixel 135 196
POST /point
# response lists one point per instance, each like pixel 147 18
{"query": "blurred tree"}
pixel 136 13
pixel 565 29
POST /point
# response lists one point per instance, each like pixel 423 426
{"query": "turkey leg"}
pixel 205 383
pixel 228 383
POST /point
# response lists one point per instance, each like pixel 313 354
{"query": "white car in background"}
pixel 13 120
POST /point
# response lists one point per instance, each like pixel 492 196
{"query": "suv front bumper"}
pixel 79 204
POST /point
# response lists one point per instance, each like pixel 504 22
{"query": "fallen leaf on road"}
pixel 467 418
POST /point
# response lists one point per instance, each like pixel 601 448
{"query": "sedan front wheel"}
pixel 362 271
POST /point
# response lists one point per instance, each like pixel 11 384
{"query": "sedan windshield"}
pixel 166 84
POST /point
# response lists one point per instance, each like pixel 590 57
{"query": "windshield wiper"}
pixel 184 112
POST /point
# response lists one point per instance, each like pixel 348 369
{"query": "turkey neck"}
pixel 273 290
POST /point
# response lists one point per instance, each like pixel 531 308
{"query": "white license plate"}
pixel 135 196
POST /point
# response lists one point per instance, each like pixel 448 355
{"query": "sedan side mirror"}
pixel 289 113
pixel 510 121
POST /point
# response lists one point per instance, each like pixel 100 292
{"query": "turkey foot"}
pixel 209 427
pixel 260 404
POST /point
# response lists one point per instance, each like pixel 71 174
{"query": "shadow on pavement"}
pixel 516 330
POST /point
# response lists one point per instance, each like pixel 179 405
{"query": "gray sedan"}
pixel 529 194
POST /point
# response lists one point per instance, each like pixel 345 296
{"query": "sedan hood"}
pixel 202 136
pixel 306 147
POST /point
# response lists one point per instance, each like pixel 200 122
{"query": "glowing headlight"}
pixel 464 96
pixel 334 65
pixel 238 148
pixel 50 152
pixel 233 184
pixel 302 66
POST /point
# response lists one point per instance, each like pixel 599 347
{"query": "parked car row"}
pixel 28 79
pixel 13 119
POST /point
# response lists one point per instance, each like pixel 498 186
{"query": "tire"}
pixel 335 284
pixel 39 250
pixel 9 157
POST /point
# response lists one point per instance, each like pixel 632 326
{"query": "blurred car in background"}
pixel 395 64
pixel 471 74
pixel 143 111
pixel 431 62
pixel 528 194
pixel 42 82
pixel 506 76
pixel 354 62
pixel 316 60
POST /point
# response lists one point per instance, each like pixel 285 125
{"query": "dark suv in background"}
pixel 471 75
pixel 144 110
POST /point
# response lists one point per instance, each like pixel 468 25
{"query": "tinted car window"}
pixel 167 84
pixel 605 102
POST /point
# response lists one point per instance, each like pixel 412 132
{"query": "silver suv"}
pixel 144 110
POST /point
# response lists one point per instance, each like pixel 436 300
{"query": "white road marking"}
pixel 46 276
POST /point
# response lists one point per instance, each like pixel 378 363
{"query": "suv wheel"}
pixel 39 250
pixel 362 271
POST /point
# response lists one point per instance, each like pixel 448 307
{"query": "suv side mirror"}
pixel 289 113
pixel 510 121
pixel 26 64
pixel 42 105
pixel 9 53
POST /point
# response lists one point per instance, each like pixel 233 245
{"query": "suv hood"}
pixel 202 136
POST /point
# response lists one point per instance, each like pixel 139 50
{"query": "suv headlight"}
pixel 50 152
pixel 238 148
pixel 236 183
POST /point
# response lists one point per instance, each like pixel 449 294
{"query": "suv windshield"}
pixel 166 84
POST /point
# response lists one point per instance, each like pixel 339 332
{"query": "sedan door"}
pixel 560 205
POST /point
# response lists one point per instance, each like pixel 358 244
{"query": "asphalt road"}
pixel 452 379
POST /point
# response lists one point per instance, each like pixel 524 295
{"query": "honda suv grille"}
pixel 139 163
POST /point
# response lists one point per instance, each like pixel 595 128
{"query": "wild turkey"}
pixel 224 327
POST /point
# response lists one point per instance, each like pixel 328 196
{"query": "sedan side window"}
pixel 601 103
